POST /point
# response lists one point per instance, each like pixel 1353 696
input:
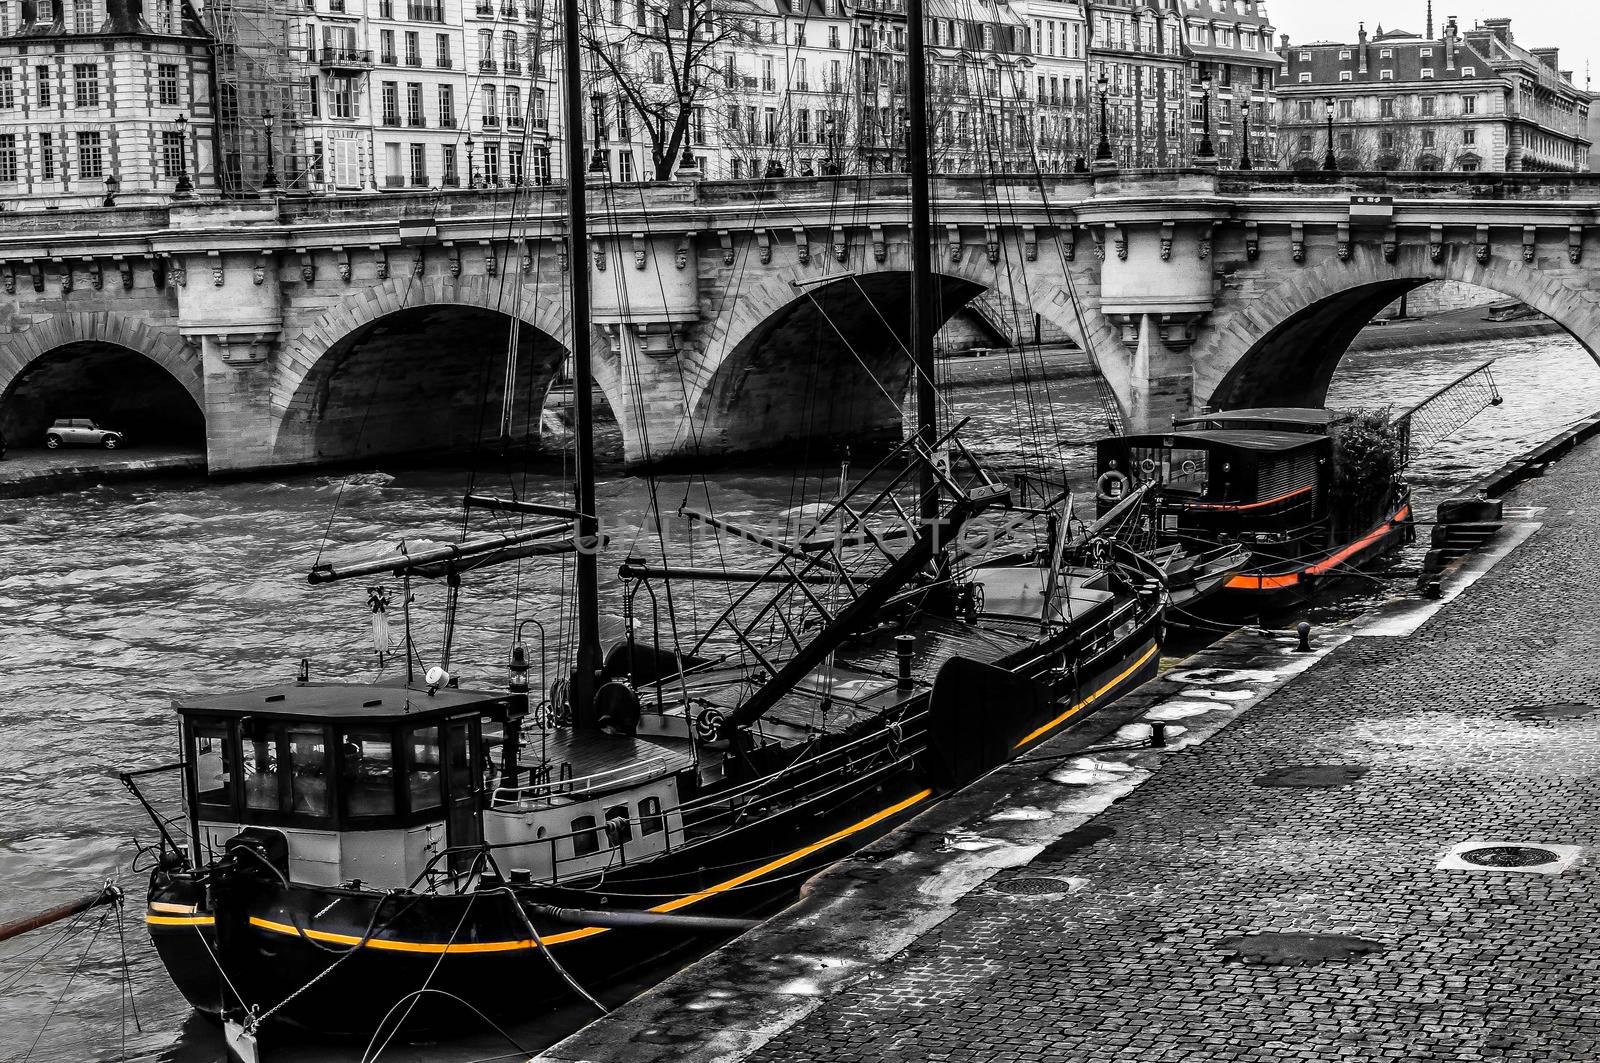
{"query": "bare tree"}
pixel 668 57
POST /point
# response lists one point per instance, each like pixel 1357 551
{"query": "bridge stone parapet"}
pixel 737 316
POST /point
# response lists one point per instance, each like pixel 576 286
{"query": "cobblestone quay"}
pixel 1135 951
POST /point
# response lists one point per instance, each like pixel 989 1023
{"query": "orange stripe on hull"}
pixel 1327 564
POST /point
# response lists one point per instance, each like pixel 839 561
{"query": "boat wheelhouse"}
pixel 1269 480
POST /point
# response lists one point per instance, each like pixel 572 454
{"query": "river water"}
pixel 115 600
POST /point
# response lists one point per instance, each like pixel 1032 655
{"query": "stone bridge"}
pixel 732 317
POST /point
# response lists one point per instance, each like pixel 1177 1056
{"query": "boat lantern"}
pixel 304 675
pixel 517 682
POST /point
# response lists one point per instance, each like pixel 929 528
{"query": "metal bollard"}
pixel 1158 734
pixel 1303 629
pixel 905 646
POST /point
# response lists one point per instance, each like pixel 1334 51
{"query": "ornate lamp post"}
pixel 1102 153
pixel 1329 163
pixel 905 139
pixel 830 133
pixel 472 172
pixel 1244 152
pixel 1207 148
pixel 113 186
pixel 184 185
pixel 270 181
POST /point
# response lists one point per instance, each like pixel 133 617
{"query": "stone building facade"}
pixel 1232 59
pixel 1462 101
pixel 103 102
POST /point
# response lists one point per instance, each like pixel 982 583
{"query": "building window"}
pixel 390 96
pixel 1305 79
pixel 386 47
pixel 1427 138
pixel 447 106
pixel 1346 140
pixel 1469 71
pixel 91 157
pixel 1469 105
pixel 452 176
pixel 347 174
pixel 414 112
pixel 41 78
pixel 1469 136
pixel 515 171
pixel 441 51
pixel 1425 53
pixel 1305 141
pixel 171 154
pixel 1347 108
pixel 86 84
pixel 342 101
pixel 47 157
pixel 167 85
pixel 513 105
pixel 1427 71
pixel 1305 56
pixel 491 164
pixel 8 96
pixel 419 166
pixel 83 20
pixel 1385 53
pixel 1345 75
pixel 1386 138
pixel 1386 107
pixel 1344 53
pixel 1427 107
pixel 8 158
pixel 625 172
pixel 413 49
pixel 1386 75
pixel 536 109
pixel 1302 110
pixel 541 165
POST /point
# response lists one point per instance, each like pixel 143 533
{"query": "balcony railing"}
pixel 512 66
pixel 486 65
pixel 387 59
pixel 447 121
pixel 344 58
pixel 491 121
pixel 394 180
pixel 391 120
pixel 444 62
pixel 413 60
pixel 451 181
pixel 419 180
pixel 486 7
pixel 416 121
pixel 514 121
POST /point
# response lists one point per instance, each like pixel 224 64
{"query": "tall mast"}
pixel 587 664
pixel 921 252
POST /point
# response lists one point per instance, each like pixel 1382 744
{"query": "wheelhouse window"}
pixel 650 818
pixel 259 748
pixel 308 769
pixel 213 770
pixel 422 770
pixel 367 772
pixel 585 839
pixel 1177 469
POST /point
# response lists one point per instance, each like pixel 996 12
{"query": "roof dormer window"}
pixel 1386 75
pixel 1344 53
pixel 1385 53
pixel 1469 71
pixel 1305 56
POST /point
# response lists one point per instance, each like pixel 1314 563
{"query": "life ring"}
pixel 1112 487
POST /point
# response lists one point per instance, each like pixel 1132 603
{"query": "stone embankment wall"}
pixel 1438 297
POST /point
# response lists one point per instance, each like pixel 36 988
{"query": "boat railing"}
pixel 130 779
pixel 729 809
pixel 614 777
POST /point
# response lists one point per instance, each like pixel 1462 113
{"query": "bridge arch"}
pixel 417 366
pixel 1283 345
pixel 818 351
pixel 112 366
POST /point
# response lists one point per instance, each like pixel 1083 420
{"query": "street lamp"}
pixel 1244 152
pixel 113 186
pixel 184 185
pixel 472 172
pixel 1103 152
pixel 905 139
pixel 1329 163
pixel 1207 149
pixel 830 165
pixel 270 181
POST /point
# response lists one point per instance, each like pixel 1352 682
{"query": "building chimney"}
pixel 1550 57
pixel 1500 27
pixel 1362 54
pixel 1284 37
pixel 1451 33
pixel 1429 34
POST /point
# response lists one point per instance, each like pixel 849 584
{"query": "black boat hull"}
pixel 366 955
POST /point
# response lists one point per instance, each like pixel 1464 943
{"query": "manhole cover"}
pixel 1033 887
pixel 1556 710
pixel 1298 950
pixel 1510 856
pixel 1312 775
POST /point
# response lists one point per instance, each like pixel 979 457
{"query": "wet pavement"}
pixel 1295 881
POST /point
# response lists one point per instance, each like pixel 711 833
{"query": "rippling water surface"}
pixel 115 600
